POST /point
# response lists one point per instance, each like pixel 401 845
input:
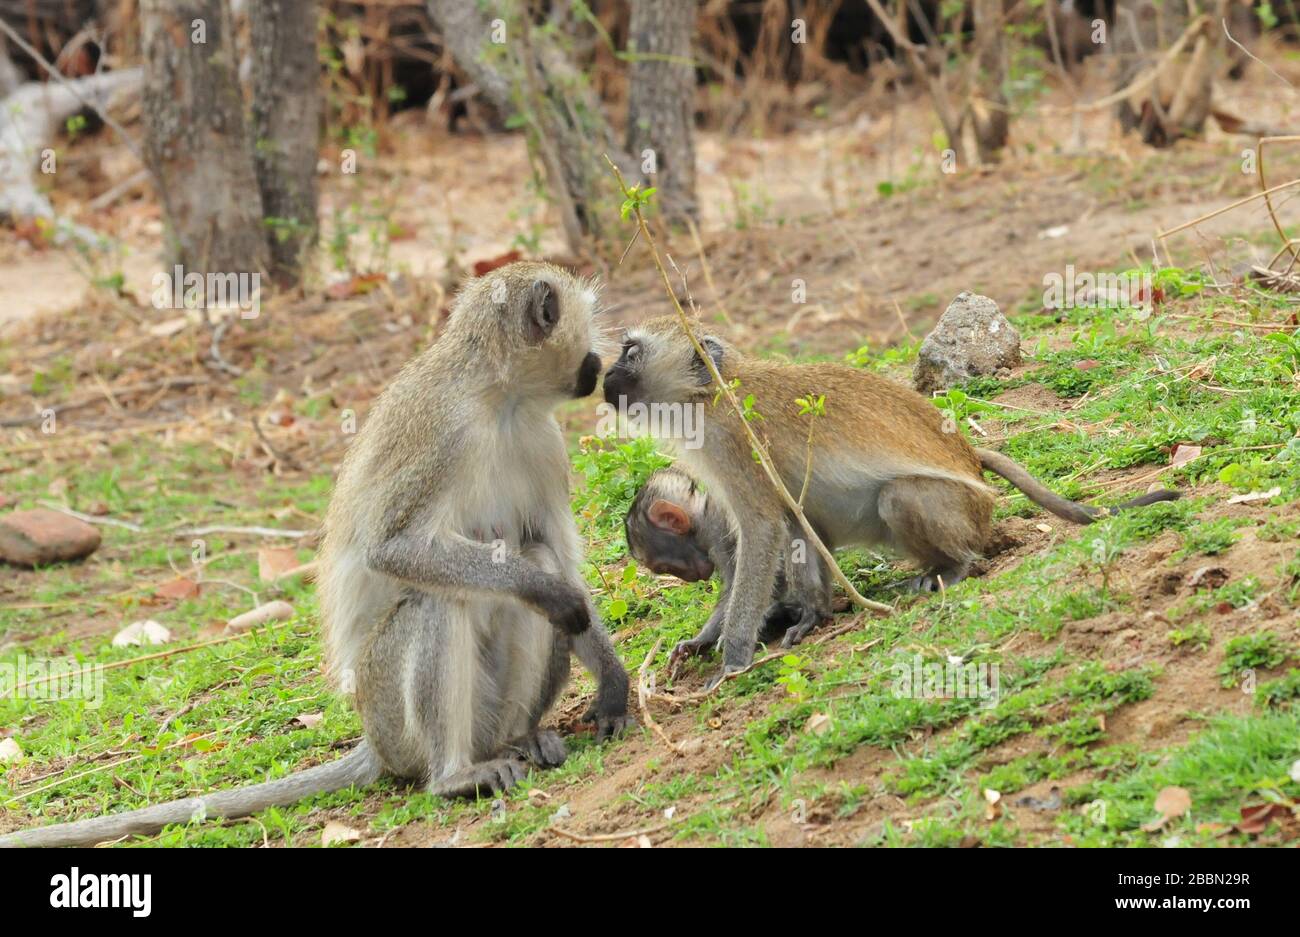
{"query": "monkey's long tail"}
pixel 360 767
pixel 1044 497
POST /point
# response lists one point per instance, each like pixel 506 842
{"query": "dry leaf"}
pixel 272 561
pixel 1183 454
pixel 142 632
pixel 178 589
pixel 818 724
pixel 1256 496
pixel 1045 528
pixel 1171 803
pixel 993 800
pixel 1256 817
pixel 9 750
pixel 309 720
pixel 338 833
pixel 169 328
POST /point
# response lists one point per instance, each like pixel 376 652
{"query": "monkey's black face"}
pixel 621 380
pixel 588 372
pixel 668 554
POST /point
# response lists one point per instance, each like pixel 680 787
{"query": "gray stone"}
pixel 971 338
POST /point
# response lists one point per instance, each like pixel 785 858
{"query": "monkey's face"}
pixel 662 540
pixel 658 364
pixel 544 320
pixel 661 528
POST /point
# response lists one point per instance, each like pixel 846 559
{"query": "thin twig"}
pixel 92 519
pixel 613 837
pixel 643 698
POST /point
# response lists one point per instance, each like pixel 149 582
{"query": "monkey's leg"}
pixel 941 524
pixel 808 620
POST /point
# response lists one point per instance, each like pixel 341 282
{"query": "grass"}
pixel 886 765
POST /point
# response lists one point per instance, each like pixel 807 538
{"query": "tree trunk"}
pixel 195 139
pixel 661 100
pixel 1178 102
pixel 988 100
pixel 529 74
pixel 286 128
pixel 10 77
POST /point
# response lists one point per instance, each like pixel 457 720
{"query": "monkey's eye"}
pixel 632 350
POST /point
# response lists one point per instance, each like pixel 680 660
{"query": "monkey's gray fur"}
pixel 449 585
pixel 674 527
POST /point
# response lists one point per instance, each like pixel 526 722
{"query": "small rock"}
pixel 1208 577
pixel 9 750
pixel 971 338
pixel 40 537
pixel 142 632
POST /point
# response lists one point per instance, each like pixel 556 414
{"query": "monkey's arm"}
pixel 708 635
pixel 456 563
pixel 758 558
pixel 609 709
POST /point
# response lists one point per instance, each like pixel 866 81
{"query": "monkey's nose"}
pixel 588 372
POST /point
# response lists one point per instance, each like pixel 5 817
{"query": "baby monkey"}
pixel 675 528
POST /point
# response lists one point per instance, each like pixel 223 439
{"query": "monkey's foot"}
pixel 684 649
pixel 934 581
pixel 485 777
pixel 542 747
pixel 798 632
pixel 609 724
pixel 721 675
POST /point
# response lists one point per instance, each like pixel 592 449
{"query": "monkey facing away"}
pixel 449 584
pixel 883 471
pixel 675 528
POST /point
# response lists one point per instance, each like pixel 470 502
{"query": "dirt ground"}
pixel 800 207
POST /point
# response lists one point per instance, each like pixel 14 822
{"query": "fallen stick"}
pixel 611 837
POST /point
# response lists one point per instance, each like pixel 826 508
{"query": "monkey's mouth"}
pixel 695 572
pixel 588 372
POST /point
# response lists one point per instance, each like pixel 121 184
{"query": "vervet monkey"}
pixel 884 470
pixel 449 585
pixel 673 527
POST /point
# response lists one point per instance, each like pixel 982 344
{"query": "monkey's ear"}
pixel 670 517
pixel 542 311
pixel 713 348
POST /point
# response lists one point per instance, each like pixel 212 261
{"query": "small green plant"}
pixel 1196 634
pixel 791 676
pixel 1260 651
pixel 1210 539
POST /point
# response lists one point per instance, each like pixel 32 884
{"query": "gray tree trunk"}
pixel 529 74
pixel 286 128
pixel 195 138
pixel 661 99
pixel 989 100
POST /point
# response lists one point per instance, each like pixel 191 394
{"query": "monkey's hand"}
pixel 565 606
pixel 609 724
pixel 609 710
